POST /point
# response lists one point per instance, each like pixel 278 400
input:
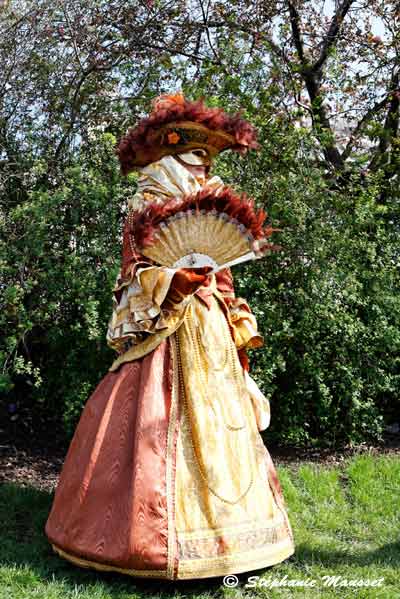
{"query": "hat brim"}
pixel 179 137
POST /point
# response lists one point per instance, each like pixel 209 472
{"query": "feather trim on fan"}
pixel 217 224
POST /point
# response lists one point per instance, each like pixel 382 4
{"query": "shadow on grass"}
pixel 23 514
pixel 386 555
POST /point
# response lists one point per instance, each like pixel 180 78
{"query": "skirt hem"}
pixel 221 566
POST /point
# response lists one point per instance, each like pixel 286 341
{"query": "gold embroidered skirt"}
pixel 167 475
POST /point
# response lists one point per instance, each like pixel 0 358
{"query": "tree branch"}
pixel 205 23
pixel 295 24
pixel 362 122
pixel 312 81
pixel 74 110
pixel 391 125
pixel 332 34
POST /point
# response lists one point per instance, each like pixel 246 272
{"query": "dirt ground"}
pixel 39 467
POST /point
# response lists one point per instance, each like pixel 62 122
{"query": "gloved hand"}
pixel 187 280
pixel 244 359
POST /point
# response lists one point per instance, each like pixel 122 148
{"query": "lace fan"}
pixel 212 227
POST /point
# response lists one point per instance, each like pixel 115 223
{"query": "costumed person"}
pixel 167 475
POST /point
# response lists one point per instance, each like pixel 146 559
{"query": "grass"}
pixel 345 521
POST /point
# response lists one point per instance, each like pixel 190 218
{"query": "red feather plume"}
pixel 174 108
pixel 146 222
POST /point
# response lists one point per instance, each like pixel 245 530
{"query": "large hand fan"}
pixel 212 227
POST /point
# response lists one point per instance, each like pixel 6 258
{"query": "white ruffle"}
pixel 260 403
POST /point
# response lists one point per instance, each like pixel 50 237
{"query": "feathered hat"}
pixel 177 125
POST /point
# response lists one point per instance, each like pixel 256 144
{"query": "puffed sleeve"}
pixel 140 290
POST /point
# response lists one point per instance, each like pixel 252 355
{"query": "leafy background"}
pixel 320 83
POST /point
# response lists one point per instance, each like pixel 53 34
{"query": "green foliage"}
pixel 60 254
pixel 327 303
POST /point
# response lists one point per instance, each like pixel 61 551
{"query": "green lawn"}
pixel 346 522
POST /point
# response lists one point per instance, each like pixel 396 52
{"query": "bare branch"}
pixel 332 34
pixel 76 52
pixel 205 22
pixel 295 24
pixel 74 112
pixel 361 124
pixel 321 122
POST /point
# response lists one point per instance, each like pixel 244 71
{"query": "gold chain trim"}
pixel 132 243
pixel 170 479
pixel 206 358
pixel 195 448
pixel 202 368
pixel 203 364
